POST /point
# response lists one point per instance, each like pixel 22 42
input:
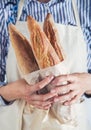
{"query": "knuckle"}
pixel 39 86
pixel 69 86
pixel 64 90
pixel 58 80
pixel 71 95
pixel 62 98
pixel 65 98
pixel 58 90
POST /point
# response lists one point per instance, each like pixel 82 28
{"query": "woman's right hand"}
pixel 20 89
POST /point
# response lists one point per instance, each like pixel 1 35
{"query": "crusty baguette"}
pixel 51 32
pixel 23 51
pixel 43 51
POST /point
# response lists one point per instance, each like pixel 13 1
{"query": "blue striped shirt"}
pixel 62 12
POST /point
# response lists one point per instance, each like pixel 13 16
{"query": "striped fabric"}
pixel 62 12
pixel 7 8
pixel 3 45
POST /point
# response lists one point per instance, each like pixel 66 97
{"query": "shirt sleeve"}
pixel 87 95
pixel 10 11
pixel 2 102
pixel 3 55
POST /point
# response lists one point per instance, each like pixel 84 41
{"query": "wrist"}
pixel 4 101
pixel 3 93
pixel 2 85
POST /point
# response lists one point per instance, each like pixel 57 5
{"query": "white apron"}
pixel 21 116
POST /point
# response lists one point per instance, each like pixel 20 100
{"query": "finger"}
pixel 63 89
pixel 41 84
pixel 64 79
pixel 66 97
pixel 42 97
pixel 74 100
pixel 40 103
pixel 60 80
pixel 71 77
pixel 44 108
pixel 47 107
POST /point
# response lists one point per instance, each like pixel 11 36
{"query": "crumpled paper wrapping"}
pixel 64 115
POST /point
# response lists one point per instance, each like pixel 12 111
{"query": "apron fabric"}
pixel 22 116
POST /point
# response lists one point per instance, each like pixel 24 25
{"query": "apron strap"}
pixel 21 4
pixel 20 8
pixel 76 14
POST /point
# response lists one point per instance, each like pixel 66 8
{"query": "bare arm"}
pixel 20 89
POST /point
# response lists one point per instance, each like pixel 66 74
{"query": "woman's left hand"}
pixel 71 87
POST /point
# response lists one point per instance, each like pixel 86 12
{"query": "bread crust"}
pixel 51 32
pixel 41 46
pixel 24 55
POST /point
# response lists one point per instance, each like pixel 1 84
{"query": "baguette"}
pixel 23 51
pixel 51 32
pixel 43 51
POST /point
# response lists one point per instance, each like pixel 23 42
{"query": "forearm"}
pixel 9 92
pixel 3 101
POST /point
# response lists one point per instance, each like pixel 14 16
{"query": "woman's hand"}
pixel 71 87
pixel 22 90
